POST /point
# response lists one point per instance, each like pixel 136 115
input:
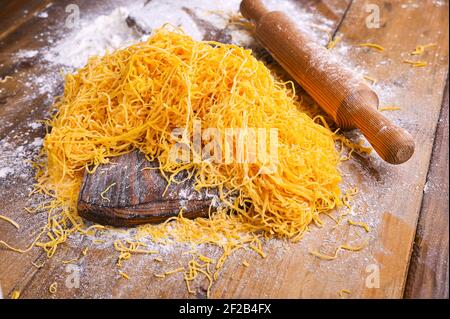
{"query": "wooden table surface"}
pixel 406 206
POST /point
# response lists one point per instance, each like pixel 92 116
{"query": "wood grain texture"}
pixel 396 192
pixel 16 13
pixel 16 272
pixel 390 197
pixel 131 191
pixel 428 273
pixel 17 110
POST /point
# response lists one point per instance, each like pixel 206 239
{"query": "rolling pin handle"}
pixel 339 92
pixel 253 10
pixel 394 144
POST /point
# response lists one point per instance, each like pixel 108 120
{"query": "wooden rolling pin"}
pixel 349 101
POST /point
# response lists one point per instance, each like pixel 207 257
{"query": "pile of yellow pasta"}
pixel 134 97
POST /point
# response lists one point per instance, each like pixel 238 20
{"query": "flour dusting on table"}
pixel 70 49
pixel 106 32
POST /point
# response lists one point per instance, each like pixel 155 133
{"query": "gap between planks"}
pixel 424 281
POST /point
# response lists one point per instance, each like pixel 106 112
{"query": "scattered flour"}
pixel 101 33
pixel 109 32
pixel 34 125
pixel 26 54
pixel 217 14
pixel 37 142
pixel 106 32
pixel 42 15
pixel 4 171
pixel 14 158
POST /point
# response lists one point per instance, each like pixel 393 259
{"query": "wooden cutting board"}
pixel 390 197
pixel 137 193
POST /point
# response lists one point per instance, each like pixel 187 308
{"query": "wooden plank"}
pixel 18 31
pixel 15 270
pixel 395 192
pixel 390 196
pixel 21 105
pixel 428 272
pixel 16 13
